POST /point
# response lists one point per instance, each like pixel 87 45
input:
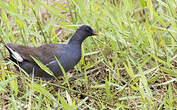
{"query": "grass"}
pixel 132 64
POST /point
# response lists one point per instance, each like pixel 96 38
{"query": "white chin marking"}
pixel 16 55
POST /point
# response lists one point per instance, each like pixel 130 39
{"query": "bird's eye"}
pixel 88 29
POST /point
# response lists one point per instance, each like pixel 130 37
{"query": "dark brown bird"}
pixel 67 54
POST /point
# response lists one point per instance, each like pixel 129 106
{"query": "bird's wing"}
pixel 43 53
pixel 65 62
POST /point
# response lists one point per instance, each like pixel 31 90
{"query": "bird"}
pixel 68 55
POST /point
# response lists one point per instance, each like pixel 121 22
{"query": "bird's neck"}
pixel 77 38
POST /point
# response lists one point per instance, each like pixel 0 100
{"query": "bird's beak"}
pixel 95 32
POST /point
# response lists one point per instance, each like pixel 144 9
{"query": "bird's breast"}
pixel 75 55
pixel 70 57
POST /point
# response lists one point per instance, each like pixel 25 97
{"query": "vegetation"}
pixel 132 64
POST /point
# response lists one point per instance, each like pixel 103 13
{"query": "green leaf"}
pixel 42 66
pixel 63 71
pixel 143 3
pixel 168 71
pixel 68 98
pixel 170 100
pixel 159 60
pixel 54 11
pixel 42 90
pixel 144 81
pixel 4 17
pixel 129 69
pixel 107 87
pixel 19 23
pixel 64 103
